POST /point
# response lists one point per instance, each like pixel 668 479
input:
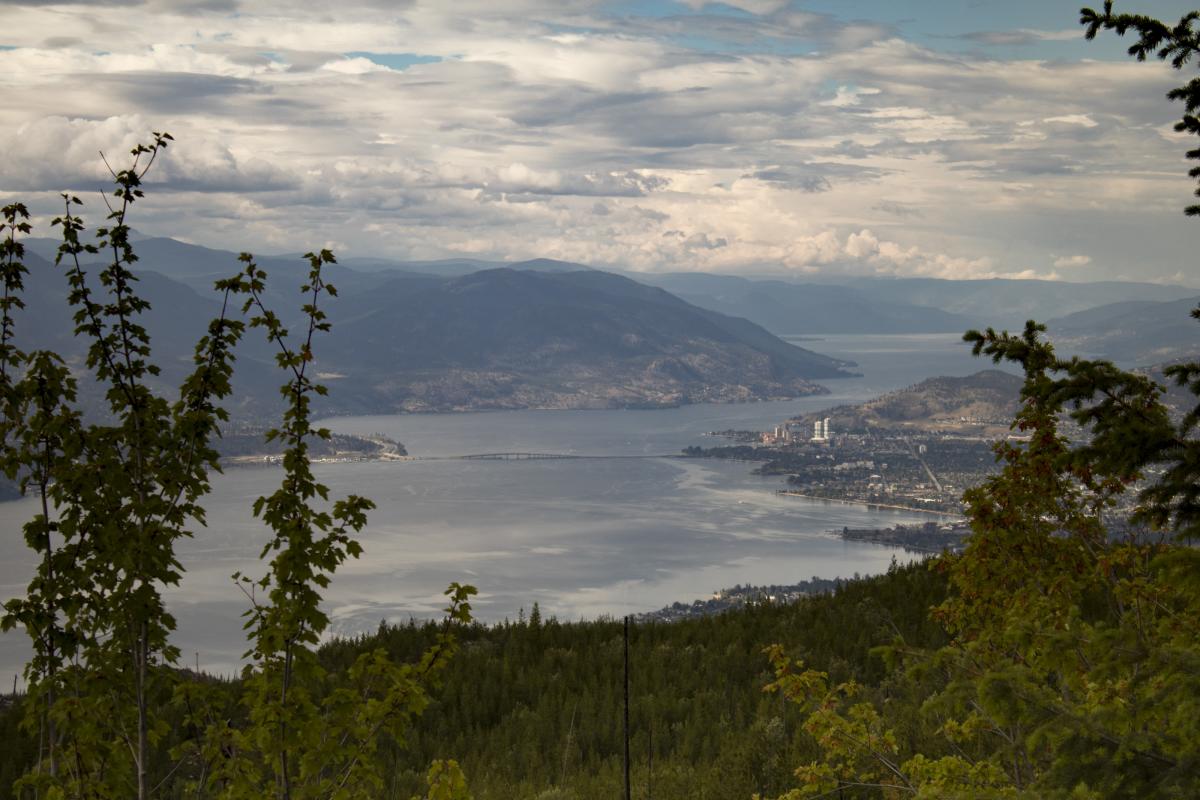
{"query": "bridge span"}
pixel 516 456
pixel 539 456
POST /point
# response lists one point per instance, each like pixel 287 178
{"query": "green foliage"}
pixel 530 709
pixel 1178 44
pixel 446 782
pixel 1071 665
pixel 115 497
pixel 1071 669
pixel 858 748
pixel 536 711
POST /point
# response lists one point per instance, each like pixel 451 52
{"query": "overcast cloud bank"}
pixel 754 136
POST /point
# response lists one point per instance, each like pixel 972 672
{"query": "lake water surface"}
pixel 583 537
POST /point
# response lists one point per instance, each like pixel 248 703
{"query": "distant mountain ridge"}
pixel 815 305
pixel 1005 302
pixel 1134 333
pixel 464 333
pixel 508 338
pixel 536 336
pixel 803 308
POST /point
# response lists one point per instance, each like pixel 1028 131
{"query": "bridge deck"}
pixel 515 456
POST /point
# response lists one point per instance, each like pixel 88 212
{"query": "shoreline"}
pixel 649 406
pixel 273 460
pixel 866 504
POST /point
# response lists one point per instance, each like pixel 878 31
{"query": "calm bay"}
pixel 621 531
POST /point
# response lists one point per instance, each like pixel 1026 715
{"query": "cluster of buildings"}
pixel 741 597
pixel 910 468
pixel 783 434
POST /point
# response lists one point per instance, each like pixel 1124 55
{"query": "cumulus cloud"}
pixel 863 250
pixel 751 135
pixel 521 179
pixel 896 209
pixel 354 66
pixel 66 57
pixel 753 6
pixel 60 153
pixel 701 241
pixel 1020 36
pixel 1082 120
pixel 849 96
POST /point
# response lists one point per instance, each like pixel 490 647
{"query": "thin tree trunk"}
pixel 628 793
pixel 51 733
pixel 284 777
pixel 143 723
pixel 562 777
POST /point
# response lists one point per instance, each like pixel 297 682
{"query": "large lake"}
pixel 582 537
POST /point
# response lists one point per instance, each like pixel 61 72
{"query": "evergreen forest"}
pixel 534 708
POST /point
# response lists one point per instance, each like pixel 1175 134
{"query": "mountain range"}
pixel 512 338
pixel 464 333
pixel 1008 303
pixel 803 308
pixel 1132 333
pixel 539 336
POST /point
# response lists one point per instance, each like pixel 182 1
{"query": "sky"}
pixel 814 139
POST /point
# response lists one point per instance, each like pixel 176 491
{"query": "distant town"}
pixel 740 597
pixel 916 449
pixel 915 469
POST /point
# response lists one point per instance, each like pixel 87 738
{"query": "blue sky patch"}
pixel 1016 29
pixel 397 61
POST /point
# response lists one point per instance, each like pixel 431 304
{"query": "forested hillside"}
pixel 532 708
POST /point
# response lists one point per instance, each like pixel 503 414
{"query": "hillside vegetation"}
pixel 508 338
pixel 532 709
pixel 1134 333
pixel 542 335
pixel 988 399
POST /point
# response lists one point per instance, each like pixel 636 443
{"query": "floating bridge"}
pixel 516 456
